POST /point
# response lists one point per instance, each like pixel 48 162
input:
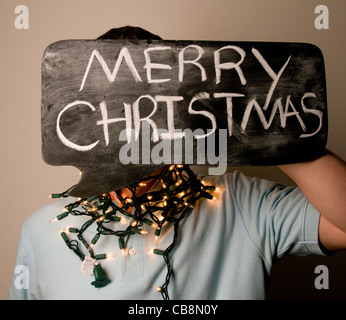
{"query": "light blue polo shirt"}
pixel 225 250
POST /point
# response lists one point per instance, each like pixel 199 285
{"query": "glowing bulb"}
pixel 149 197
pixel 65 230
pixel 142 184
pixel 171 168
pixel 100 219
pixel 158 289
pixel 134 223
pixel 123 221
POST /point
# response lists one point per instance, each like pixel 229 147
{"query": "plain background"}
pixel 26 181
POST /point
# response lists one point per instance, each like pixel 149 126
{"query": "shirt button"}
pixel 132 251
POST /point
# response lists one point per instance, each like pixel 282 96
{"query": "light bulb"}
pixel 110 255
pixel 100 219
pixel 134 223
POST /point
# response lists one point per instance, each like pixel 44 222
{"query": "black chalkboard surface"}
pixel 121 109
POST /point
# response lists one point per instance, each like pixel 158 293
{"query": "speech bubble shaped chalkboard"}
pixel 121 109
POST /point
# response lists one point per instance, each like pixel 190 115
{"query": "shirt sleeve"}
pixel 279 219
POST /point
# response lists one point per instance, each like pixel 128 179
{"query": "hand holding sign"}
pixel 120 109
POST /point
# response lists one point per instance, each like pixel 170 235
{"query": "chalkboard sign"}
pixel 121 109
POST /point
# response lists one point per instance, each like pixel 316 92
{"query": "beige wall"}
pixel 26 181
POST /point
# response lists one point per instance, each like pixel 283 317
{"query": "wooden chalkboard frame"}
pixel 241 103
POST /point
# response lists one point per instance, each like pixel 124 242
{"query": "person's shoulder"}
pixel 226 179
pixel 46 213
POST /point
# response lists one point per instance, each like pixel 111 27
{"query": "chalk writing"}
pixel 132 115
pixel 132 111
pixel 125 55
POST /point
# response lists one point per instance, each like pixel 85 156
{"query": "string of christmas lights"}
pixel 179 191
